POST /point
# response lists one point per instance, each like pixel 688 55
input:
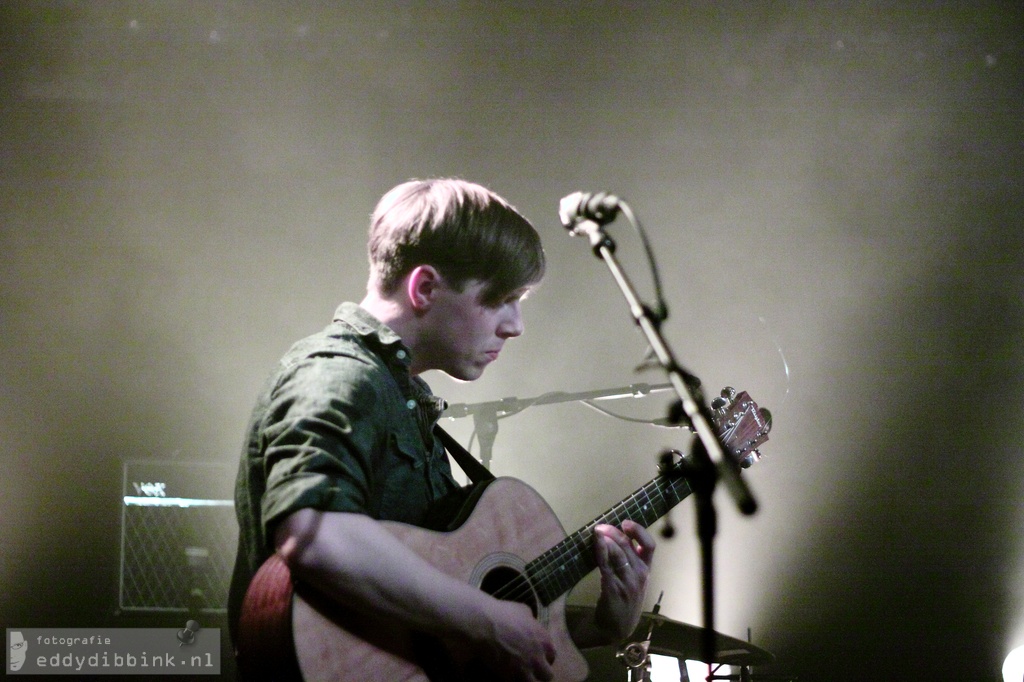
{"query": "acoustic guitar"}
pixel 508 543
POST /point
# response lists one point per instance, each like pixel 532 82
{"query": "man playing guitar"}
pixel 342 437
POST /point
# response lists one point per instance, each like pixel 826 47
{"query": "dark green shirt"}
pixel 341 425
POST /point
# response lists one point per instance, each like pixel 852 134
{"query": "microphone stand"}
pixel 710 462
pixel 485 415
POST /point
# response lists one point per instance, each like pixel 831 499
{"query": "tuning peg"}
pixel 748 460
pixel 726 398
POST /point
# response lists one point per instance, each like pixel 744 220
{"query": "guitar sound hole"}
pixel 510 585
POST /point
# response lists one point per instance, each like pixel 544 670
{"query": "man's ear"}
pixel 421 287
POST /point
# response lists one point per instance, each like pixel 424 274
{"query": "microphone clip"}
pixel 599 208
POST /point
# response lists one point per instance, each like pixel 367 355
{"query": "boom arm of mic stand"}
pixel 485 422
pixel 512 405
pixel 724 464
pixel 485 415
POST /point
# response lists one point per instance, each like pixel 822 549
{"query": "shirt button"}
pixel 411 404
pixel 400 354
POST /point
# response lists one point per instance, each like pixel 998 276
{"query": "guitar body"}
pixel 509 526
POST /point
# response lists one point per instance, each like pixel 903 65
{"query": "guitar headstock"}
pixel 741 424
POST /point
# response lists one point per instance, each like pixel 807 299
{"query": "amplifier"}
pixel 178 536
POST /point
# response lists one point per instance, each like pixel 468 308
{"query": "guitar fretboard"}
pixel 557 570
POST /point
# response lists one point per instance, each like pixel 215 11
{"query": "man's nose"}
pixel 512 325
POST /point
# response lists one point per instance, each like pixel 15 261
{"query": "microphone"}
pixel 597 207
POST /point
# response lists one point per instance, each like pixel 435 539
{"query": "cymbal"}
pixel 679 640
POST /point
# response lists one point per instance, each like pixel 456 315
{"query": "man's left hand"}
pixel 624 559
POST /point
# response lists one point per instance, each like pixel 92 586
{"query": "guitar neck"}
pixel 557 570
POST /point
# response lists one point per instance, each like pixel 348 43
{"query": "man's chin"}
pixel 465 374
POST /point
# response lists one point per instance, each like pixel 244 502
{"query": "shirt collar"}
pixel 376 332
pixel 365 324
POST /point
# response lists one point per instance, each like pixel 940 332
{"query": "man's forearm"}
pixel 355 561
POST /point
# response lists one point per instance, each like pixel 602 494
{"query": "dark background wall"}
pixel 833 191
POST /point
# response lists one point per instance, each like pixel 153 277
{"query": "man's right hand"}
pixel 517 648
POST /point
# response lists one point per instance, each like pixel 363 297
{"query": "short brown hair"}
pixel 464 230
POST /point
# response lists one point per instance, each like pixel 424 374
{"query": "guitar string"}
pixel 637 506
pixel 629 508
pixel 539 570
pixel 552 566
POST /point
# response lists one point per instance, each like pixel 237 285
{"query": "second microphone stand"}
pixel 486 415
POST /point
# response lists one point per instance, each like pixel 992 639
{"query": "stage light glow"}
pixel 1013 666
pixel 666 669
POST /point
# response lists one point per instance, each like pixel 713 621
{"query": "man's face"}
pixel 465 335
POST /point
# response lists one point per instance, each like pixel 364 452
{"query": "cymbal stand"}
pixel 636 655
pixel 746 674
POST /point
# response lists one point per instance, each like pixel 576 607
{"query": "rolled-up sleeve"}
pixel 319 438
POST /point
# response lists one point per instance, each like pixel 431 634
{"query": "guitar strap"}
pixel 476 471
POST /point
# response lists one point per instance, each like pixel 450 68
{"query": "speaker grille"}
pixel 178 541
